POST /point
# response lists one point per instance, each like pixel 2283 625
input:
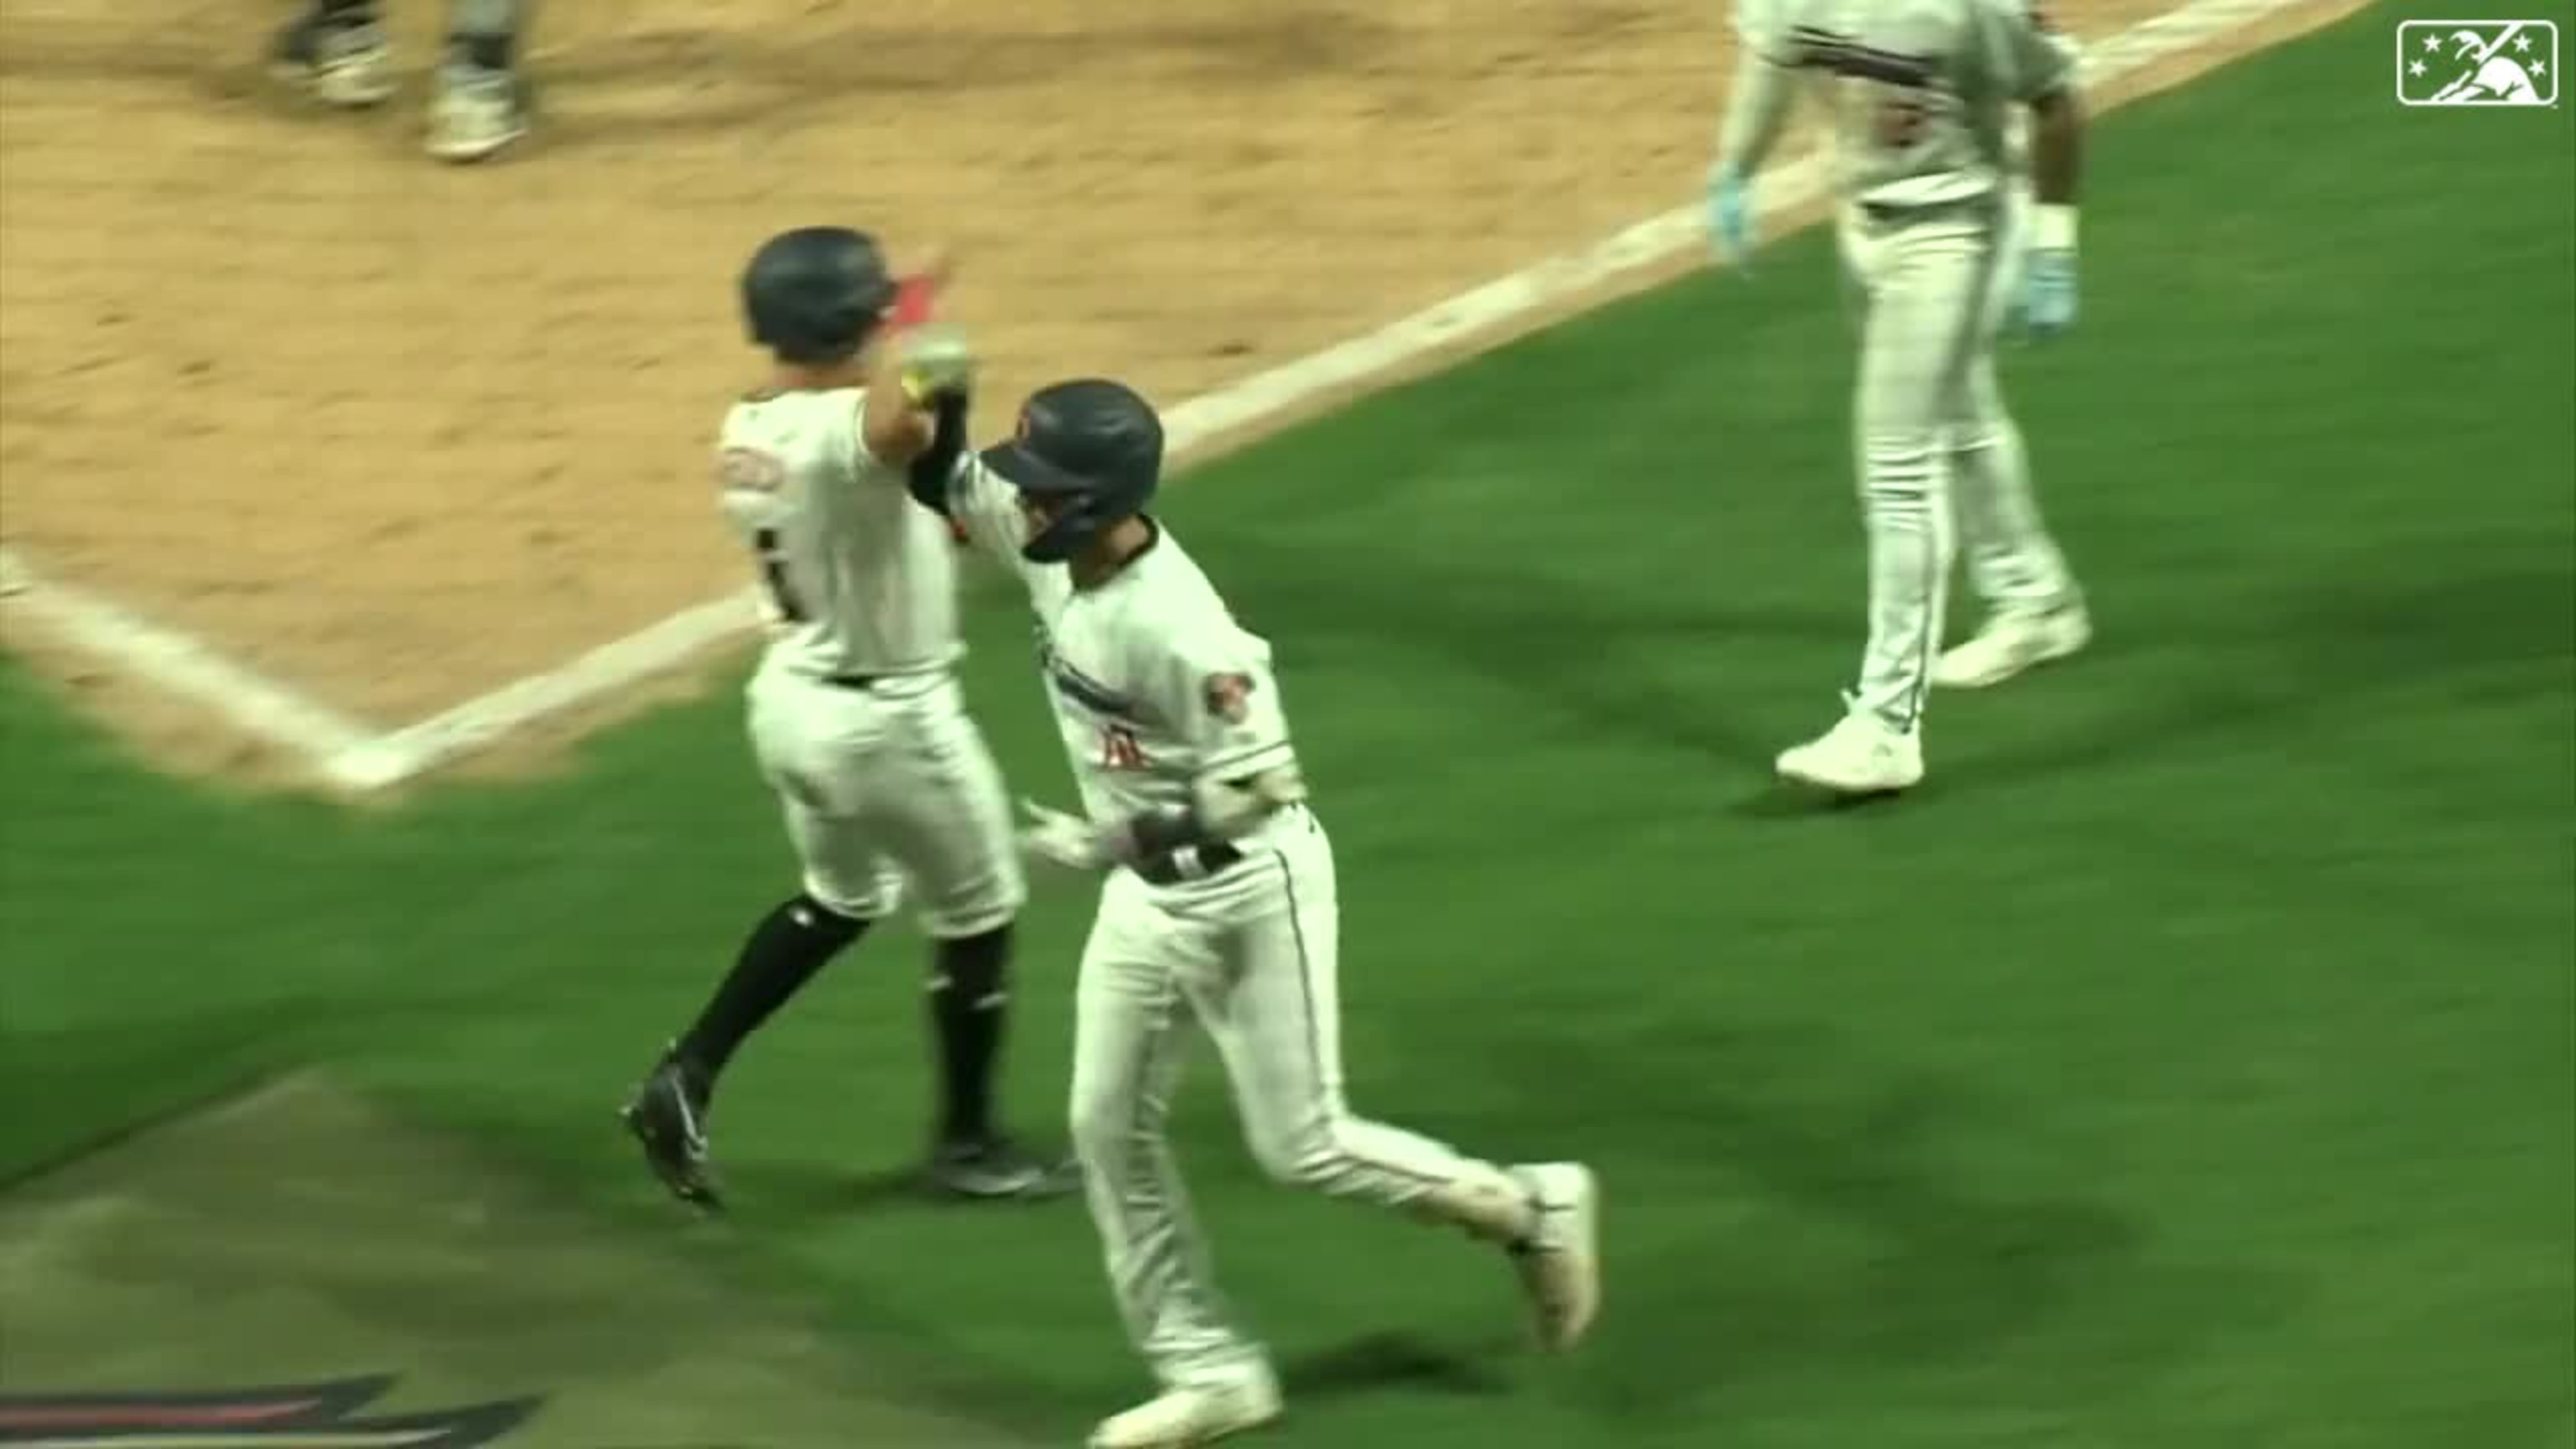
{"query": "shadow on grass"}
pixel 1394 1362
pixel 303 1234
pixel 1628 667
pixel 1861 1227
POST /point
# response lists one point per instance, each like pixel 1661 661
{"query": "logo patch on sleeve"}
pixel 1227 696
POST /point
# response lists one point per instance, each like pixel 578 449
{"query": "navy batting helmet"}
pixel 813 294
pixel 1093 449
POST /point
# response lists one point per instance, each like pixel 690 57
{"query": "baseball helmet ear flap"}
pixel 1073 524
pixel 814 294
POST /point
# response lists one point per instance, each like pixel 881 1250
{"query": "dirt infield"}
pixel 395 434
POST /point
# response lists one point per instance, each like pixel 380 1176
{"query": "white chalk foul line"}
pixel 353 759
pixel 179 664
pixel 391 758
pixel 478 722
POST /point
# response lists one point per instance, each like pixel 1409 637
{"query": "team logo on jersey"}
pixel 1228 696
pixel 2477 63
pixel 305 1416
pixel 749 470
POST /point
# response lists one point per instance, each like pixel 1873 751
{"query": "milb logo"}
pixel 303 1416
pixel 2477 63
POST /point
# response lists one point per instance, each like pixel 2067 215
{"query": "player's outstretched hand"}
pixel 1066 841
pixel 2048 293
pixel 1730 215
pixel 937 266
pixel 935 360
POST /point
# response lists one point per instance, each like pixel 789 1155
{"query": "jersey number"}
pixel 749 471
pixel 773 572
pixel 1119 750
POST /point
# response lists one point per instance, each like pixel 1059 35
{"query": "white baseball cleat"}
pixel 343 60
pixel 1860 755
pixel 476 112
pixel 2011 642
pixel 1192 1414
pixel 1560 1263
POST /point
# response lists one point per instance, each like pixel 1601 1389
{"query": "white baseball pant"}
pixel 885 787
pixel 1251 956
pixel 1930 289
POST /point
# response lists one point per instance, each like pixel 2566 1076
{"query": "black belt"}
pixel 854 681
pixel 1882 213
pixel 1194 862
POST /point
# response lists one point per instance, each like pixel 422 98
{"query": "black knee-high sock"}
pixel 484 33
pixel 969 1001
pixel 782 953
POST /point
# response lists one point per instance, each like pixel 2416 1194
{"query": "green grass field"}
pixel 2191 1063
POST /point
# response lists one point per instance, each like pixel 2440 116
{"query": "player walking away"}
pixel 1933 239
pixel 855 713
pixel 1219 909
pixel 338 50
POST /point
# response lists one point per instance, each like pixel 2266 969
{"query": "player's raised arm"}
pixel 948 479
pixel 1757 106
pixel 923 360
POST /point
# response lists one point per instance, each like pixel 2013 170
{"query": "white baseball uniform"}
pixel 856 716
pixel 1155 686
pixel 1923 96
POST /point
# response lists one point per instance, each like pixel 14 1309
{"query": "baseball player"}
pixel 1935 236
pixel 855 714
pixel 1219 910
pixel 479 103
pixel 2490 76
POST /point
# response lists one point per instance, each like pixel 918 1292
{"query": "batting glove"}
pixel 2048 293
pixel 935 360
pixel 1066 841
pixel 1730 215
pixel 2048 278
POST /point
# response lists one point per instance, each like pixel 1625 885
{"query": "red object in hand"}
pixel 913 297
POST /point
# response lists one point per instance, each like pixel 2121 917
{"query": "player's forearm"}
pixel 1219 811
pixel 895 428
pixel 930 474
pixel 916 364
pixel 2057 148
pixel 1757 106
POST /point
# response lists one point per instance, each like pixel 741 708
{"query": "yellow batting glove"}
pixel 934 359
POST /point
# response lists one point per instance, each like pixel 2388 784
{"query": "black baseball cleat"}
pixel 994 1169
pixel 668 1115
pixel 341 58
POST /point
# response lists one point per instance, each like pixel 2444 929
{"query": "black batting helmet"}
pixel 1091 447
pixel 813 294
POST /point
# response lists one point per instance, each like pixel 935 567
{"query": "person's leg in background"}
pixel 2034 608
pixel 481 99
pixel 337 50
pixel 340 52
